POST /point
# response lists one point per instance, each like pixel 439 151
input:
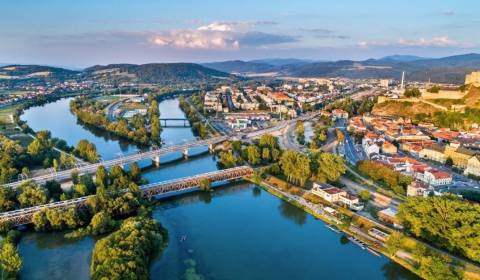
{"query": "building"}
pixel 388 148
pixel 432 176
pixel 417 188
pixel 433 152
pixel 473 166
pixel 378 234
pixel 473 79
pixel 335 195
pixel 339 114
pixel 328 192
pixel 459 155
pixel 389 215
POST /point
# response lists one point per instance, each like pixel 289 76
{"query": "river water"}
pixel 237 232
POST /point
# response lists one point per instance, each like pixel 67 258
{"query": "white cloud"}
pixel 442 41
pixel 219 35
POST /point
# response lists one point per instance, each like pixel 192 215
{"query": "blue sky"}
pixel 83 33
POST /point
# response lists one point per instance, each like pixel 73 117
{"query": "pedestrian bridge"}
pixel 175 186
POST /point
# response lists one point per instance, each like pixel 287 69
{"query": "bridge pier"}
pixel 211 148
pixel 185 153
pixel 156 161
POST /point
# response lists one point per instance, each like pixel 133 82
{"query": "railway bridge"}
pixel 173 187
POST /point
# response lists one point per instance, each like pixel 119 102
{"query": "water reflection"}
pixel 292 213
pixel 393 271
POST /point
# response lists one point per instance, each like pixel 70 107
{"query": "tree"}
pixel 295 166
pixel 101 223
pixel 268 141
pixel 365 195
pixel 87 150
pixel 266 154
pixel 32 195
pixel 394 243
pixel 10 261
pixel 205 185
pixel 126 253
pixel 412 92
pixel 101 176
pixel 449 162
pixel 253 155
pixel 329 166
pixel 135 172
pixel 445 221
pixel 7 199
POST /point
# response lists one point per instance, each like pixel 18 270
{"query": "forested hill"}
pixel 17 72
pixel 450 69
pixel 157 72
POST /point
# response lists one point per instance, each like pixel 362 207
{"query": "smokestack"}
pixel 403 79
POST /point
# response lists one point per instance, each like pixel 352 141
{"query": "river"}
pixel 237 232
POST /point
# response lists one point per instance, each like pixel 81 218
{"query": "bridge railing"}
pixel 24 216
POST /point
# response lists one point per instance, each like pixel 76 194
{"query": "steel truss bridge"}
pixel 25 215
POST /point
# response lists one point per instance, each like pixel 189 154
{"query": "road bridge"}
pixel 174 122
pixel 153 154
pixel 25 215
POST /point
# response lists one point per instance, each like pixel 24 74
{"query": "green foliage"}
pixel 228 160
pixel 412 92
pixel 432 266
pixel 7 199
pixel 295 166
pixel 205 185
pixel 12 158
pixel 394 243
pixel 365 195
pixel 300 131
pixel 31 194
pixel 40 149
pixel 388 178
pixel 10 261
pixel 126 253
pixel 434 89
pixel 253 155
pixel 327 166
pixel 87 150
pixel 445 221
pixel 57 219
pixel 91 112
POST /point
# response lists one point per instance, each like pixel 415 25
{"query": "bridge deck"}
pixel 25 215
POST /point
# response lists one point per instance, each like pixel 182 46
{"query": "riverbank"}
pixel 402 258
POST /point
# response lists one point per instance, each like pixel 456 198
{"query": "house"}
pixel 417 188
pixel 328 192
pixel 339 114
pixel 473 166
pixel 335 195
pixel 388 148
pixel 433 152
pixel 389 215
pixel 351 202
pixel 432 176
pixel 459 155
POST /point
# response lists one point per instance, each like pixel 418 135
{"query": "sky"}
pixel 84 33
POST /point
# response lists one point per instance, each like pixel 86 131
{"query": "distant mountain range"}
pixel 158 73
pixel 450 69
